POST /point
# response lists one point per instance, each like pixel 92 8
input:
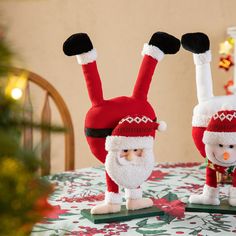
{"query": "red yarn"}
pixel 144 77
pixel 234 179
pixel 221 123
pixel 93 82
pixel 111 185
pixel 211 177
pixel 197 134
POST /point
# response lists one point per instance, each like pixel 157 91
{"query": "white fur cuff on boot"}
pixel 202 58
pixel 114 198
pixel 210 196
pixel 232 196
pixel 133 193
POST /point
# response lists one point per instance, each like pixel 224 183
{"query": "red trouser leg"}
pixel 234 179
pixel 211 177
pixel 111 185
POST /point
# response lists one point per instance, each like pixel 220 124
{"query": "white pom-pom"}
pixel 162 126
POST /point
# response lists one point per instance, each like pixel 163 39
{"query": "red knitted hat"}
pixel 221 128
pixel 134 132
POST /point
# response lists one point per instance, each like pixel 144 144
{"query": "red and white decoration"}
pixel 228 58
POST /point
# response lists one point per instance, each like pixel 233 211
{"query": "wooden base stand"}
pixel 123 215
pixel 223 208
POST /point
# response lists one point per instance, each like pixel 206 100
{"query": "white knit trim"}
pixel 136 119
pixel 120 142
pixel 225 138
pixel 133 193
pixel 111 197
pixel 232 196
pixel 152 51
pixel 210 191
pixel 87 57
pixel 200 120
pixel 202 58
pixel 222 116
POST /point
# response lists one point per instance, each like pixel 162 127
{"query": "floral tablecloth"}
pixel 84 188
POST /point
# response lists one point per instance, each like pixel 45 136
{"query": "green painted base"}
pixel 123 215
pixel 223 208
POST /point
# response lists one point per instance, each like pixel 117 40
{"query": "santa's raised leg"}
pixel 199 45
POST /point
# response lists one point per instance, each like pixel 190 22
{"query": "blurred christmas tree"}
pixel 23 195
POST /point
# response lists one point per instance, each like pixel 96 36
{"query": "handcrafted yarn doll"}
pixel 207 108
pixel 104 115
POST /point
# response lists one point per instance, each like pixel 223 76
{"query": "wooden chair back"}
pixel 50 94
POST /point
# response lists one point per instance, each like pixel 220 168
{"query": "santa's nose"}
pixel 226 156
pixel 130 156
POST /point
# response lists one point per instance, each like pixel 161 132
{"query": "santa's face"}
pixel 222 155
pixel 130 157
pixel 130 168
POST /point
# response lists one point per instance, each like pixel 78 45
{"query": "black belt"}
pixel 100 133
pixel 97 133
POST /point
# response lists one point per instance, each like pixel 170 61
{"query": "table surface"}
pixel 84 188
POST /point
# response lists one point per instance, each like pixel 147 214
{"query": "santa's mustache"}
pixel 136 160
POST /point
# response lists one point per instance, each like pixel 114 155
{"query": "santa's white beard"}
pixel 129 174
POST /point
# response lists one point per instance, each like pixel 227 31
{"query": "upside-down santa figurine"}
pixel 210 108
pixel 103 118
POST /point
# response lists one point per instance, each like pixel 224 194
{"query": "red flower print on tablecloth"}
pixel 88 198
pixel 107 230
pixel 191 187
pixel 157 175
pixel 177 165
pixel 115 228
pixel 174 208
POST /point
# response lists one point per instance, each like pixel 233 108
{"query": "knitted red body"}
pixel 197 134
pixel 104 115
pixel 108 114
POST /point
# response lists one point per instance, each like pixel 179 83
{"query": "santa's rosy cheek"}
pixel 138 152
pixel 124 153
